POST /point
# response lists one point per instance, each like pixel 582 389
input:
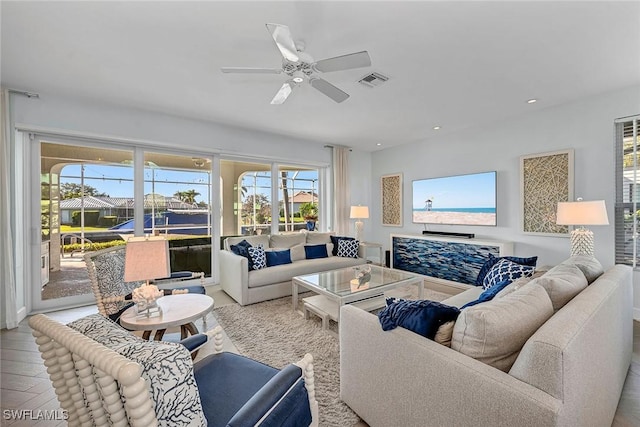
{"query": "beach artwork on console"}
pixel 458 200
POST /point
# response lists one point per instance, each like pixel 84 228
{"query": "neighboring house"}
pixel 301 197
pixel 121 207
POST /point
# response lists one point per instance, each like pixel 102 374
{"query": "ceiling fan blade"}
pixel 248 70
pixel 328 89
pixel 282 36
pixel 283 93
pixel 344 62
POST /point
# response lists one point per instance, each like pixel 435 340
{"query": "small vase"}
pixel 311 225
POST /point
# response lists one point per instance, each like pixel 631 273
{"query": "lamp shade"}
pixel 359 212
pixel 146 258
pixel 582 213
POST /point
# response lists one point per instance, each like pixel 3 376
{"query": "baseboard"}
pixel 636 314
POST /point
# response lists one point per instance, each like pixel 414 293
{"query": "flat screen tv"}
pixel 456 200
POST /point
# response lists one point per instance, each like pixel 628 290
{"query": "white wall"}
pixel 586 126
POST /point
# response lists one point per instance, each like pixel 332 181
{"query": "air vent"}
pixel 373 80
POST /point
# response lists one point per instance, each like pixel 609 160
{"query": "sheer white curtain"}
pixel 7 268
pixel 341 190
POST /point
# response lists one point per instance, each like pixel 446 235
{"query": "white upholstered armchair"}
pixel 107 376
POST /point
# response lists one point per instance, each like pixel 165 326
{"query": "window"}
pixel 627 204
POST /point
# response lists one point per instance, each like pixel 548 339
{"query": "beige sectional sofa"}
pixel 570 371
pixel 249 287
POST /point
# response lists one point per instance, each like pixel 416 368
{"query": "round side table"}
pixel 177 310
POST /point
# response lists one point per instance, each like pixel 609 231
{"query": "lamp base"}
pixel 582 242
pixel 359 230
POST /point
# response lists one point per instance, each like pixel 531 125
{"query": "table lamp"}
pixel 359 212
pixel 146 258
pixel 581 213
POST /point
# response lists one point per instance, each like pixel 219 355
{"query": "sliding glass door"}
pixel 89 200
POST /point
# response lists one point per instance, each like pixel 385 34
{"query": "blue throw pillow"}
pixel 423 317
pixel 242 249
pixel 315 251
pixel 278 257
pixel 506 270
pixel 488 294
pixel 335 240
pixel 493 260
pixel 258 257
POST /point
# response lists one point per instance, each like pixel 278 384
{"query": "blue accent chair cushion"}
pixel 335 240
pixel 278 257
pixel 316 251
pixel 423 317
pixel 532 261
pixel 238 391
pixel 242 249
pixel 488 294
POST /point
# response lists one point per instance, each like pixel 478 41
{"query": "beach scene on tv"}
pixel 457 200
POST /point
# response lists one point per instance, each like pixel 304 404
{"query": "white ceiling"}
pixel 452 64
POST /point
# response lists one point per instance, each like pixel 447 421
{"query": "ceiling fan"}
pixel 301 67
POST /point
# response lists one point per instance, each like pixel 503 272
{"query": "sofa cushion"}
pixel 462 298
pixel 278 257
pixel 315 238
pixel 531 261
pixel 494 332
pixel 562 283
pixel 297 253
pixel 506 270
pixel 336 239
pixel 286 240
pixel 258 257
pixel 590 266
pixel 315 251
pixel 424 317
pixel 348 248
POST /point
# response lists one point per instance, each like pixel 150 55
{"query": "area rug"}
pixel 273 333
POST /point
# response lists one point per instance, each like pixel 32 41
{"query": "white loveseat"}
pixel 570 371
pixel 249 287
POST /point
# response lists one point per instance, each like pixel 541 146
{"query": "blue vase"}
pixel 311 225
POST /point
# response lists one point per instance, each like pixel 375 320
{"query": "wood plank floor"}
pixel 25 384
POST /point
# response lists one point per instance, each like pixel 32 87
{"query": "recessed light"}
pixel 531 101
pixel 436 128
pixel 378 144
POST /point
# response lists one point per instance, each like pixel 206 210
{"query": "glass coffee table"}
pixel 339 287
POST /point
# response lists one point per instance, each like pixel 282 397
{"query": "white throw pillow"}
pixel 495 331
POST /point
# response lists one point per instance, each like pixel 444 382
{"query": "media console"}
pixel 451 263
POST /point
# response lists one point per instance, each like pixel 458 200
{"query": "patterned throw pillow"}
pixel 103 330
pixel 242 249
pixel 335 240
pixel 506 270
pixel 348 248
pixel 531 261
pixel 258 257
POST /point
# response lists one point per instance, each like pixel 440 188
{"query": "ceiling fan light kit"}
pixel 300 66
